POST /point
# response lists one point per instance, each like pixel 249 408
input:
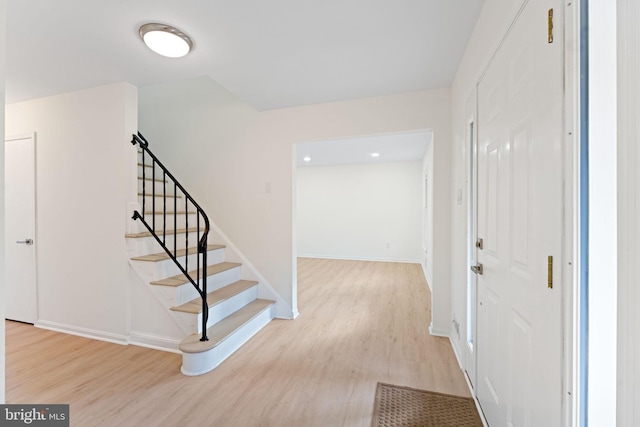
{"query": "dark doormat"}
pixel 397 406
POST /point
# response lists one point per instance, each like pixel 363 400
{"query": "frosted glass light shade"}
pixel 166 40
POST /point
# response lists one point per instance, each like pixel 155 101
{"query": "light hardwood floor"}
pixel 360 323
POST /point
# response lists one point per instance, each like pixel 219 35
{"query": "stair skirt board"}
pixel 197 359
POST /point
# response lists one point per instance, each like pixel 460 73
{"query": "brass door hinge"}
pixel 550 26
pixel 550 272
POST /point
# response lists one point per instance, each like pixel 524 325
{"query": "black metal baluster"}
pixel 164 207
pixel 175 217
pixel 153 196
pixel 186 219
pixel 198 248
pixel 143 181
pixel 205 304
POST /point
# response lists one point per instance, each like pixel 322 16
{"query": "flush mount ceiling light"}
pixel 375 154
pixel 307 159
pixel 166 40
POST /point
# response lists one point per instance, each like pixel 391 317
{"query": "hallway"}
pixel 360 323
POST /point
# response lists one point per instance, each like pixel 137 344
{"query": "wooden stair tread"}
pixel 168 232
pixel 160 195
pixel 181 279
pixel 215 297
pixel 161 256
pixel 224 328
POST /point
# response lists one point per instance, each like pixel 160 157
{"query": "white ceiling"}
pixel 402 147
pixel 271 54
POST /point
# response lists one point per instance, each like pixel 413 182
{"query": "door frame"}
pixel 571 200
pixel 471 169
pixel 33 137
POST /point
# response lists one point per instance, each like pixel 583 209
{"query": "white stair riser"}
pixel 227 307
pixel 171 201
pixel 193 322
pixel 168 296
pixel 201 363
pixel 159 186
pixel 147 157
pixel 167 268
pixel 168 224
pixel 148 245
pixel 148 170
pixel 223 278
pixel 168 220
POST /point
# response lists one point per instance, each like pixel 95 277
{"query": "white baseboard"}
pixel 135 338
pixel 289 316
pixel 426 276
pixel 350 258
pixel 154 342
pixel 455 353
pixel 436 332
pixel 83 332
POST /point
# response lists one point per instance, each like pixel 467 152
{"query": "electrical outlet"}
pixel 456 326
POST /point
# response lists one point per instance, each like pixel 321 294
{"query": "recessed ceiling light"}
pixel 166 40
pixel 375 154
pixel 307 159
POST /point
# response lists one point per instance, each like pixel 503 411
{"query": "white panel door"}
pixel 20 252
pixel 519 342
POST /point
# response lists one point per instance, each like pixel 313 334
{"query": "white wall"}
pixel 603 254
pixel 492 25
pixel 2 302
pixel 427 213
pixel 240 163
pixel 628 90
pixel 368 212
pixel 84 166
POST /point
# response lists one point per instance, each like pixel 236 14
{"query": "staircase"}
pixel 174 258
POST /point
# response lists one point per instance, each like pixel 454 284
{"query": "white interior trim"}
pixel 628 363
pixel 570 277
